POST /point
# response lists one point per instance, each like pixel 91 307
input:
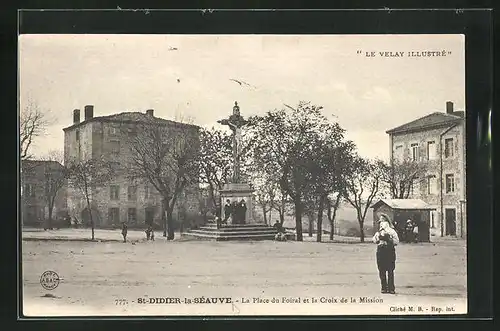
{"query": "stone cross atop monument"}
pixel 235 123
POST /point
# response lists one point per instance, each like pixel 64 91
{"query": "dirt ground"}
pixel 112 277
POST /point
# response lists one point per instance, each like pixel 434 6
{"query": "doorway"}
pixel 451 222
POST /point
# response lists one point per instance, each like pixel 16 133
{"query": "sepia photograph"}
pixel 242 174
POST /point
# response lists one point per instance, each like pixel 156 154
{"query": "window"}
pixel 450 183
pixel 398 153
pixel 132 216
pixel 146 192
pixel 431 150
pixel 132 193
pixel 115 165
pixel 114 146
pixel 114 192
pixel 114 215
pixel 431 184
pixel 29 190
pixel 132 133
pixel 114 131
pixel 414 152
pixel 448 147
pixel 77 135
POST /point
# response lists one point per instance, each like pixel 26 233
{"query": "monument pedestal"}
pixel 236 192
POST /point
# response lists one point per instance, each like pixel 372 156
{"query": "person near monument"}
pixel 242 211
pixel 235 219
pixel 227 211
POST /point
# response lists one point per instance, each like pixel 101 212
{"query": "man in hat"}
pixel 386 239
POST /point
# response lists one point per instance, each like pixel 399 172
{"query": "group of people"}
pixel 281 233
pixel 150 234
pixel 407 231
pixel 234 211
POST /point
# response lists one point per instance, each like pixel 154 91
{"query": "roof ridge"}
pixel 407 125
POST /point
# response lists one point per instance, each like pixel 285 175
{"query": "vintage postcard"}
pixel 242 175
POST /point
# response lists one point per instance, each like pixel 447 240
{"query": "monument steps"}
pixel 233 232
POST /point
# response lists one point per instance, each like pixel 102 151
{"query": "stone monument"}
pixel 236 189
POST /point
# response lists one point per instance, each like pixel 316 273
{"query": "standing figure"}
pixel 243 211
pixel 227 211
pixel 409 226
pixel 235 219
pixel 152 232
pixel 386 239
pixel 124 231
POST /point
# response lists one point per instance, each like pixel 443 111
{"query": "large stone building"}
pixel 438 141
pixel 134 201
pixel 43 184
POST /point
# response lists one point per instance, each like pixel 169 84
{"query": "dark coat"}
pixel 386 257
pixel 227 210
pixel 243 210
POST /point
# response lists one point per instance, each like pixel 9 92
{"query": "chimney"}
pixel 449 107
pixel 89 112
pixel 76 116
pixel 150 112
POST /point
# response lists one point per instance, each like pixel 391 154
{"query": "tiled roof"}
pixel 431 120
pixel 131 117
pixel 403 204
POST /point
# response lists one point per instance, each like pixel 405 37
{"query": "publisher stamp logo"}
pixel 49 280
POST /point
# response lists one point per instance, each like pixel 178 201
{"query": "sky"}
pixel 190 76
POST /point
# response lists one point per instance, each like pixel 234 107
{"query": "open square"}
pixel 108 278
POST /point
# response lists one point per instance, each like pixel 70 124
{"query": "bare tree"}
pixel 86 175
pixel 400 176
pixel 55 177
pixel 166 155
pixel 33 123
pixel 215 161
pixel 332 205
pixel 362 187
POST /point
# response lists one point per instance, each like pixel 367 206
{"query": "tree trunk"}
pixel 51 208
pixel 163 216
pixel 321 207
pixel 170 224
pixel 264 213
pixel 298 219
pixel 361 231
pixel 282 216
pixel 332 213
pixel 310 217
pixel 91 219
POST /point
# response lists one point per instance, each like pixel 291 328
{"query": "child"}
pixel 124 232
pixel 386 239
pixel 152 232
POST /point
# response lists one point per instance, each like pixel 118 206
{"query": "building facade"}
pixel 438 141
pixel 43 184
pixel 122 199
